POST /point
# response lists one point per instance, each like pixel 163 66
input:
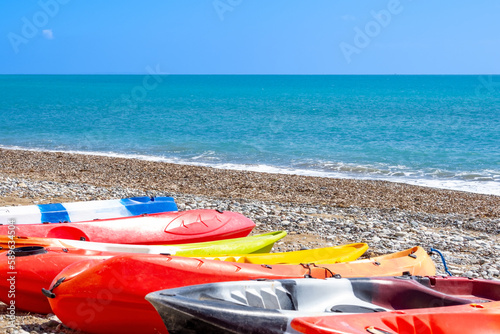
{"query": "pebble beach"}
pixel 316 212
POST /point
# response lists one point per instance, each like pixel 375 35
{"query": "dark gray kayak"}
pixel 268 306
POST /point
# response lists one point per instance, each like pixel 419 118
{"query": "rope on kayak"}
pixel 308 266
pixel 442 259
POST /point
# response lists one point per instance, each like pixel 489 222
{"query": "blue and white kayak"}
pixel 84 211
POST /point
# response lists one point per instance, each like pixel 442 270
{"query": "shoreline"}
pixel 315 212
pixel 225 183
pixel 485 187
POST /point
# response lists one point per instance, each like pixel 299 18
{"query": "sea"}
pixel 430 130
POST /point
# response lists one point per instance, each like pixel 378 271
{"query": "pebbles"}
pixel 465 227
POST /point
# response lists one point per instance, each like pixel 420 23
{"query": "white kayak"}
pixel 269 306
pixel 84 211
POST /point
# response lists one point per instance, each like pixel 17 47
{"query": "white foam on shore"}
pixel 479 187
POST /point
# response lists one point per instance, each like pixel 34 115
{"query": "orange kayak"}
pixel 150 229
pixel 107 296
pixel 476 318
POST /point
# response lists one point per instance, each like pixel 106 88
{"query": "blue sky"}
pixel 250 37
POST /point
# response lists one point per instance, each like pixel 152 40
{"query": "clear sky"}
pixel 250 36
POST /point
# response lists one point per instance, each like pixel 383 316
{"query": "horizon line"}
pixel 263 74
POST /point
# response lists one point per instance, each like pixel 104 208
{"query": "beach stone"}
pixel 493 272
pixel 50 324
pixel 52 316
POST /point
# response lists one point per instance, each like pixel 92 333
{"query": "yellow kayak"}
pixel 342 253
pixel 261 243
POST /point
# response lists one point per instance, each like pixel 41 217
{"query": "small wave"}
pixel 208 155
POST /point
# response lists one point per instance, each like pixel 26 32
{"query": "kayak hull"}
pixel 269 307
pixel 260 243
pixel 136 276
pixel 159 228
pixel 36 271
pixel 335 254
pixel 82 211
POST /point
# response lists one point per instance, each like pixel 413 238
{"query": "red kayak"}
pixel 30 277
pixel 33 267
pixel 483 318
pixel 108 296
pixel 152 229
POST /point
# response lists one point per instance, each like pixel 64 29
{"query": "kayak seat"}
pixel 404 294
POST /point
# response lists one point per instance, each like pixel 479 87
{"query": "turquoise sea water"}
pixel 441 131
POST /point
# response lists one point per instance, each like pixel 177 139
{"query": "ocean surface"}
pixel 438 131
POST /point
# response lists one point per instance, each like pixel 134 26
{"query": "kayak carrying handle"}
pixel 373 330
pixel 442 259
pixel 49 293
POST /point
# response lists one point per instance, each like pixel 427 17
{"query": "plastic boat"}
pixel 261 243
pixel 270 306
pixel 335 254
pixel 35 266
pixel 158 228
pixel 82 211
pixel 117 286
